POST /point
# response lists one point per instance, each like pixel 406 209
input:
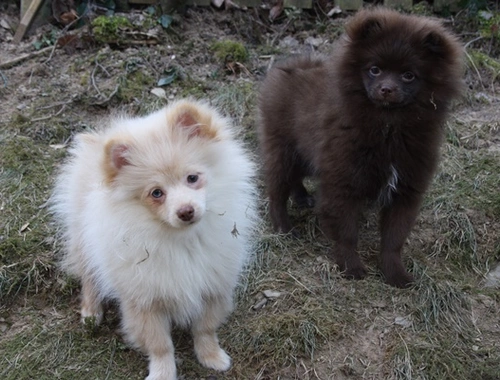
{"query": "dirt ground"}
pixel 315 324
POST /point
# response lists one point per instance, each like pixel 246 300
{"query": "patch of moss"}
pixel 229 50
pixel 421 9
pixel 133 85
pixel 106 29
pixel 84 79
pixel 480 59
pixel 489 24
pixel 20 153
pixel 268 50
pixel 196 90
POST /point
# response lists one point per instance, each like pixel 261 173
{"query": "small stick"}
pixel 24 57
pixel 55 105
pixel 49 116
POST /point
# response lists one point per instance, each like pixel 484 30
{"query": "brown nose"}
pixel 185 213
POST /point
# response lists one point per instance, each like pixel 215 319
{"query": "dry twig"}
pixel 24 57
pixel 49 116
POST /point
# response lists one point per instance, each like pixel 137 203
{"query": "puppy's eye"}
pixel 157 193
pixel 408 77
pixel 375 71
pixel 192 178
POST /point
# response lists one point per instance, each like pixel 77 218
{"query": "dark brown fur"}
pixel 368 117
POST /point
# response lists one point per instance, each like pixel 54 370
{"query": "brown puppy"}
pixel 368 121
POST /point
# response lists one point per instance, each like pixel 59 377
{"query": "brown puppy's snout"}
pixel 185 213
pixel 386 90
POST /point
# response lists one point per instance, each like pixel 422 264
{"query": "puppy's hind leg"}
pixel 206 343
pixel 300 195
pixel 149 330
pixel 278 166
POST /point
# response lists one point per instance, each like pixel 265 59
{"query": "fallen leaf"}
pixel 169 77
pixel 24 227
pixel 159 92
pixel 57 146
pixel 260 304
pixel 271 294
pixel 217 3
pixel 4 24
pixel 275 11
pixel 402 321
pixel 334 11
pixel 166 21
pixel 3 327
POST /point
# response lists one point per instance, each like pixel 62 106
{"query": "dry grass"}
pixel 313 324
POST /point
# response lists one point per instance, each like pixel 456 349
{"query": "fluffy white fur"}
pixel 157 213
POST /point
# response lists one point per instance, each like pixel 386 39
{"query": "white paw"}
pixel 218 360
pixel 159 376
pixel 91 317
pixel 162 368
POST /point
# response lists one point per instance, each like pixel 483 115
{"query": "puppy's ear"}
pixel 197 123
pixel 116 156
pixel 360 29
pixel 435 43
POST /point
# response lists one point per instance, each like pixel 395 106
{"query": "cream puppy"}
pixel 157 213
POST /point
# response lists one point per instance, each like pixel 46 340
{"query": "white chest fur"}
pixel 391 187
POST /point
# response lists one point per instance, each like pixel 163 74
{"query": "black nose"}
pixel 386 91
pixel 185 213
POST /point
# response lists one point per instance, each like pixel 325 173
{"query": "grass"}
pixel 51 351
pixel 441 358
pixel 441 305
pixel 317 325
pixel 443 340
pixel 462 194
pixel 24 188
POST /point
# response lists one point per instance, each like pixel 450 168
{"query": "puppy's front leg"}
pixel 91 305
pixel 206 343
pixel 339 220
pixel 149 330
pixel 395 225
